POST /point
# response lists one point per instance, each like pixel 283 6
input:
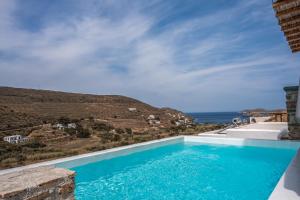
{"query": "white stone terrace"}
pixel 260 130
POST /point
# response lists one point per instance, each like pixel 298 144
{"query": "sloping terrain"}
pixel 96 122
pixel 21 108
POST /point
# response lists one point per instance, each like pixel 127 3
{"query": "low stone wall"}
pixel 37 184
pixel 291 102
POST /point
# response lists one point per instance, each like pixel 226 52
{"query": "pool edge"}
pixel 288 186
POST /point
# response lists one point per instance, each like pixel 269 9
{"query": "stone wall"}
pixel 291 102
pixel 47 183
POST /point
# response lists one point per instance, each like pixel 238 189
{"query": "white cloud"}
pixel 190 64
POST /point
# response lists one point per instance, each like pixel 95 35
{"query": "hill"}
pixel 261 111
pixel 21 108
pixel 58 124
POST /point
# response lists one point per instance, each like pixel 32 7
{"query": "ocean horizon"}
pixel 215 117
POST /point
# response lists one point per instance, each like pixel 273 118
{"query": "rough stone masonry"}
pixel 37 184
pixel 291 103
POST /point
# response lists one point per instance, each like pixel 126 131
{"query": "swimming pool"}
pixel 186 169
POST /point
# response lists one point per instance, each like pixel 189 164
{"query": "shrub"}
pixel 128 131
pixel 91 118
pixel 70 131
pixel 117 137
pixel 83 133
pixel 125 143
pixel 64 120
pixel 106 137
pixel 20 158
pixel 102 127
pixel 33 144
pixel 119 131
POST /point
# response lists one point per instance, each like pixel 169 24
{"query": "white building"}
pixel 132 109
pixel 15 139
pixel 59 126
pixel 151 117
pixel 71 125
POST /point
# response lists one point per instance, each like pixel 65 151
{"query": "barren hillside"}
pixel 28 107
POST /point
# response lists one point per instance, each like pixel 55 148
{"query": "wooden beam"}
pixel 292 31
pixel 295 11
pixel 284 5
pixel 290 26
pixel 293 37
pixel 295 50
pixel 288 11
pixel 289 19
pixel 296 46
pixel 294 42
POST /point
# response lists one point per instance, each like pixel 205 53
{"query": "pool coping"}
pixel 288 187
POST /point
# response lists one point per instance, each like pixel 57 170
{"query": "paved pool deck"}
pixel 260 130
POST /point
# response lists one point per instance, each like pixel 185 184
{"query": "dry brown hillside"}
pixel 28 107
pixel 59 124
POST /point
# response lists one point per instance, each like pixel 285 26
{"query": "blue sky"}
pixel 193 55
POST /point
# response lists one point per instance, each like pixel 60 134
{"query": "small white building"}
pixel 157 122
pixel 15 139
pixel 177 123
pixel 151 117
pixel 152 120
pixel 132 109
pixel 71 125
pixel 59 126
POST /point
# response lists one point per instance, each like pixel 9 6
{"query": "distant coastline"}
pixel 215 117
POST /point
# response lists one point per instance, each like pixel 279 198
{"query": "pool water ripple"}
pixel 185 171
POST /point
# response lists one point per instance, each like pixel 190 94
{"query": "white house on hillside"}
pixel 15 139
pixel 132 109
pixel 71 125
pixel 59 126
pixel 62 126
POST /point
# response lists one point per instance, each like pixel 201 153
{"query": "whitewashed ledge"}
pixel 288 187
pixel 38 183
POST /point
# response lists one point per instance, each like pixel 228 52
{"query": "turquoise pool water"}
pixel 185 171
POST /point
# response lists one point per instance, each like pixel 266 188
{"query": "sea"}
pixel 215 117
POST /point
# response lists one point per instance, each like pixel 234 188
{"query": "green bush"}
pixel 128 131
pixel 117 137
pixel 70 131
pixel 64 120
pixel 119 130
pixel 106 137
pixel 83 133
pixel 102 127
pixel 33 144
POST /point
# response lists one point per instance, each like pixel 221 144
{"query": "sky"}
pixel 192 55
